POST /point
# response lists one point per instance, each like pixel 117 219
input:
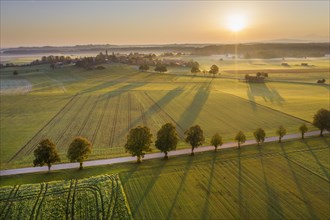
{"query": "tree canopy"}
pixel 321 120
pixel 46 153
pixel 240 138
pixel 144 67
pixel 195 137
pixel 79 150
pixel 160 68
pixel 216 141
pixel 303 129
pixel 167 138
pixel 138 142
pixel 281 131
pixel 259 135
pixel 214 69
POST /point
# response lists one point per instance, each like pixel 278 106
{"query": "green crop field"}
pixel 98 197
pixel 288 180
pixel 103 105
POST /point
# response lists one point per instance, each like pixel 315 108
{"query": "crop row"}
pixel 99 197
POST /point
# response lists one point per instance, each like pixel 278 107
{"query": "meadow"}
pixel 287 180
pixel 103 105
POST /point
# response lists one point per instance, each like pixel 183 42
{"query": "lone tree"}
pixel 167 139
pixel 216 141
pixel 195 137
pixel 138 142
pixel 303 129
pixel 214 70
pixel 322 120
pixel 46 153
pixel 281 131
pixel 160 68
pixel 259 135
pixel 79 150
pixel 240 138
pixel 144 67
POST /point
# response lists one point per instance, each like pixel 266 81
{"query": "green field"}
pixel 103 105
pixel 288 180
pixel 98 197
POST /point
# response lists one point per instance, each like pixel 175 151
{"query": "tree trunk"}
pixel 215 149
pixel 239 145
pixel 192 152
pixel 49 165
pixel 302 135
pixel 139 160
pixel 321 134
pixel 165 157
pixel 279 139
pixel 81 165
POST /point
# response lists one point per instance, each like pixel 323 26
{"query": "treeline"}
pixel 266 51
pixel 139 141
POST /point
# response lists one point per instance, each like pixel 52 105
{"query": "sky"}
pixel 64 23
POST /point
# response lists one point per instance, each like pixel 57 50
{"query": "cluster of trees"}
pixel 46 152
pixel 139 141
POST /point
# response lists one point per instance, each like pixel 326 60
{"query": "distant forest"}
pixel 255 50
pixel 269 50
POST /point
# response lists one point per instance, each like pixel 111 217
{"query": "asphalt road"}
pixel 146 157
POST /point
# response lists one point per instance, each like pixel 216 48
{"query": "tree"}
pixel 79 150
pixel 15 73
pixel 144 67
pixel 46 153
pixel 214 70
pixel 259 135
pixel 281 131
pixel 160 68
pixel 138 142
pixel 322 120
pixel 167 139
pixel 195 137
pixel 303 129
pixel 216 141
pixel 195 69
pixel 240 138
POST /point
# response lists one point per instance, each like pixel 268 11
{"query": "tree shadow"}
pixel 326 174
pixel 193 110
pixel 155 175
pixel 274 208
pixel 267 93
pixel 298 185
pixel 205 212
pixel 186 170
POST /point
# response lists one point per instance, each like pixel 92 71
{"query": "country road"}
pixel 147 156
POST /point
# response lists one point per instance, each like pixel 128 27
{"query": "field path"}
pixel 148 156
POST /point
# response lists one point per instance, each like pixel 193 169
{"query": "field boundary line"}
pixel 29 141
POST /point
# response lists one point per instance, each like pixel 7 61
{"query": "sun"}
pixel 236 22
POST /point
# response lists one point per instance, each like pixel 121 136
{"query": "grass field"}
pixel 98 197
pixel 103 105
pixel 288 180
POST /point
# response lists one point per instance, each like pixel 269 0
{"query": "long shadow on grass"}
pixel 195 107
pixel 326 174
pixel 205 212
pixel 273 206
pixel 301 191
pixel 153 109
pixel 241 200
pixel 186 170
pixel 156 173
pixel 267 93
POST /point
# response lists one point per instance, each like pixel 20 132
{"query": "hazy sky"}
pixel 41 22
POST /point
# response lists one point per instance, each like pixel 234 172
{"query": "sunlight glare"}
pixel 236 22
